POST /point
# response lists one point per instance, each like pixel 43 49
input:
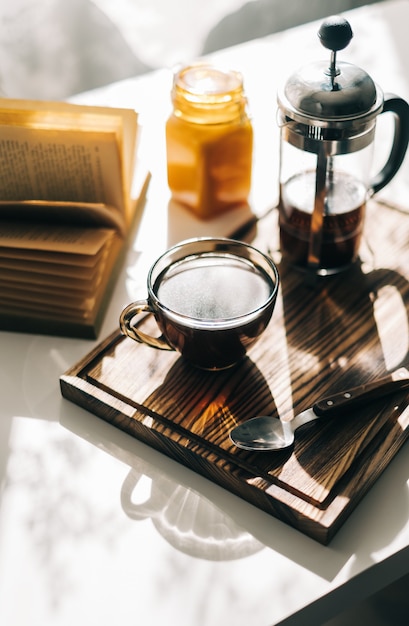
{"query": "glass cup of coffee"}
pixel 212 298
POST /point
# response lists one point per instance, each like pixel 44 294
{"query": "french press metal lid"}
pixel 338 95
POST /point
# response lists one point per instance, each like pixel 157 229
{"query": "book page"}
pixel 64 291
pixel 60 165
pixel 28 270
pixel 48 282
pixel 74 240
pixel 65 115
pixel 41 115
pixel 62 258
pixel 78 213
pixel 27 300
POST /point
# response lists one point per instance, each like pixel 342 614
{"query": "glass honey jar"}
pixel 209 140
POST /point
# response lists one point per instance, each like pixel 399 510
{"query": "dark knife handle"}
pixel 358 396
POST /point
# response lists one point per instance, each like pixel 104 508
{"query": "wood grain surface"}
pixel 326 334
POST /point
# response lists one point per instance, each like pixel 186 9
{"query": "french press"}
pixel 327 116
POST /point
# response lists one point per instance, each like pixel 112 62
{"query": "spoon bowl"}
pixel 263 433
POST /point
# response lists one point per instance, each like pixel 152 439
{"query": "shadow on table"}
pixel 264 17
pixel 244 529
pixel 55 49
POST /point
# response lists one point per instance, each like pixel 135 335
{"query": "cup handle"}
pixel 125 323
pixel 400 109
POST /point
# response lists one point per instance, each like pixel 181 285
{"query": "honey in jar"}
pixel 209 140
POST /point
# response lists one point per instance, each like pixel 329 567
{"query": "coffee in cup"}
pixel 212 298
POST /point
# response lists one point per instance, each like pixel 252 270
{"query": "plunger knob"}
pixel 335 33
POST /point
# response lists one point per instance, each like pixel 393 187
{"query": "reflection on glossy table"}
pixel 96 527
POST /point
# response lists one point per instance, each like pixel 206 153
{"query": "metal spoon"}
pixel 268 433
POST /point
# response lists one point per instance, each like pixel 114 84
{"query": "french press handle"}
pixel 400 110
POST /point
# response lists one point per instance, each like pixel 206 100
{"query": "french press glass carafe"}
pixel 327 116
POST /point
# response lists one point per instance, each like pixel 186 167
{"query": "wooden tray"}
pixel 324 336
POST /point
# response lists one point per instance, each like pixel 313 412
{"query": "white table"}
pixel 73 549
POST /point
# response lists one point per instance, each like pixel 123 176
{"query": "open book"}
pixel 68 205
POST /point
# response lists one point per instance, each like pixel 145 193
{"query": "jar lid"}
pixel 203 79
pixel 340 91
